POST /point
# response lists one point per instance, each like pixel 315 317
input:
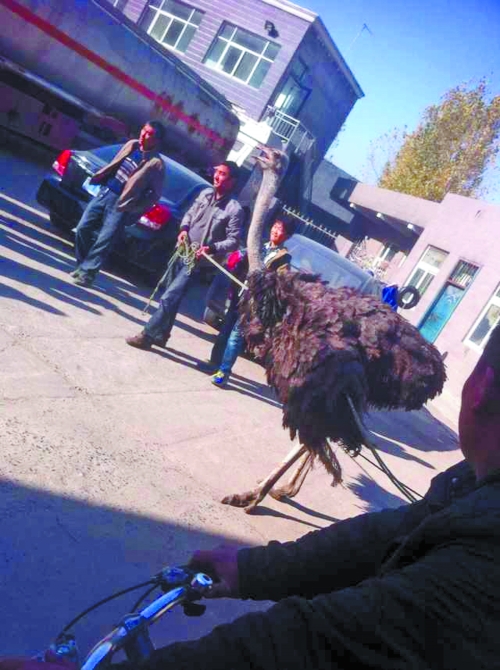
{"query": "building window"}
pixel 488 319
pixel 241 55
pixel 171 23
pixel 293 93
pixel 403 258
pixel 386 254
pixel 426 269
pixel 448 300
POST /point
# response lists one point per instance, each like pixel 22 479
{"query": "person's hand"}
pixel 201 251
pixel 182 237
pixel 52 662
pixel 95 179
pixel 222 565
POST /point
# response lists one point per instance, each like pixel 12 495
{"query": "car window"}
pixel 308 259
pixel 180 182
pixel 372 287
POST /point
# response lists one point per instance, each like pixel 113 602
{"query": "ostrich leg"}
pixel 251 499
pixel 293 486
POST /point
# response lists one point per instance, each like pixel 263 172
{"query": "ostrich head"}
pixel 273 163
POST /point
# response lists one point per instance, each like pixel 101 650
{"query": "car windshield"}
pixel 309 256
pixel 180 182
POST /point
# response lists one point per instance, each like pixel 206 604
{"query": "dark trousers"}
pixel 161 322
pixel 101 217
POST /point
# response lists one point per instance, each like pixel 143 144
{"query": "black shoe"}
pixel 75 272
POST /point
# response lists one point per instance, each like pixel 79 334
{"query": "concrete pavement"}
pixel 114 460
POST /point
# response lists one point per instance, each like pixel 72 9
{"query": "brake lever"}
pixel 65 647
pixel 169 578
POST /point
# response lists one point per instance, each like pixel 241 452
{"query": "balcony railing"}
pixel 291 131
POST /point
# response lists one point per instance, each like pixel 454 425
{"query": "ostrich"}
pixel 328 353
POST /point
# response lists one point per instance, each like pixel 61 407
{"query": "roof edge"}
pixel 325 36
pixel 291 8
pixel 407 208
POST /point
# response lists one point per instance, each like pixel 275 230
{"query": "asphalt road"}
pixel 113 460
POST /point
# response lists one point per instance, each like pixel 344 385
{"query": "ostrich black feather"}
pixel 319 345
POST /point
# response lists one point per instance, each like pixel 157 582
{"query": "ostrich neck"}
pixel 267 190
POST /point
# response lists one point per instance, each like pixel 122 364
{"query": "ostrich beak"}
pixel 273 159
pixel 265 160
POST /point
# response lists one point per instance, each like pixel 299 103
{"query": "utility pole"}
pixel 363 28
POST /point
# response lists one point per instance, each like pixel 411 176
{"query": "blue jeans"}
pixel 161 322
pixel 222 338
pixel 234 347
pixel 100 216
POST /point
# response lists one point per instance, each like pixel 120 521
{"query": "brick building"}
pixel 449 251
pixel 271 58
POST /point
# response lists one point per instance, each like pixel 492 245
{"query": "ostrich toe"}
pixel 248 500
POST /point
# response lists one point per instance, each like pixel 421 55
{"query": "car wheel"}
pixel 213 319
pixel 408 297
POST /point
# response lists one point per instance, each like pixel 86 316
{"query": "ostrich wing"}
pixel 319 344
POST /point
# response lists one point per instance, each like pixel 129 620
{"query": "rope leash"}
pixel 184 251
pixel 408 492
pixel 187 253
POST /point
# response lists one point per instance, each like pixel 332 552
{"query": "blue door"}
pixel 448 299
pixel 440 312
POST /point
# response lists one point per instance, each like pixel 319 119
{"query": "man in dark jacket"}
pixel 129 185
pixel 213 224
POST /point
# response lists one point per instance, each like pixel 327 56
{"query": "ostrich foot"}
pixel 251 499
pixel 248 500
pixel 282 492
pixel 293 486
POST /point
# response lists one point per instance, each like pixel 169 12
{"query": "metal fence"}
pixel 307 227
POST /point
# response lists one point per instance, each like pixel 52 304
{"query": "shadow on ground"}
pixel 237 383
pixel 36 240
pixel 375 496
pixel 60 555
pixel 396 431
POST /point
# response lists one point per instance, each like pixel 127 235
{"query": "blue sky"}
pixel 418 50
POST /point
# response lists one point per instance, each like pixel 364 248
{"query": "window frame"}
pixel 228 43
pixel 384 251
pixel 172 17
pixel 494 300
pixel 427 268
